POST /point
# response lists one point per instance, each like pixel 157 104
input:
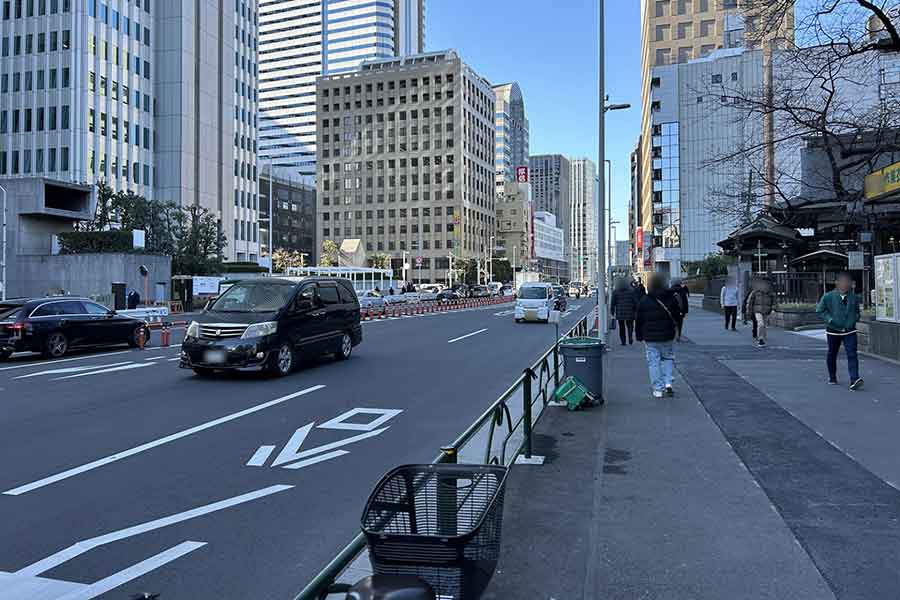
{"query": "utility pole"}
pixel 3 262
pixel 601 157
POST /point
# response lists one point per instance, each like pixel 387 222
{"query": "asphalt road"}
pixel 123 474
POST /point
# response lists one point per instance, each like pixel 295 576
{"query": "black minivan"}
pixel 271 323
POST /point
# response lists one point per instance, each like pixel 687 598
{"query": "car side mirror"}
pixel 110 313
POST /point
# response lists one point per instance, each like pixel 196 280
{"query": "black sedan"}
pixel 53 326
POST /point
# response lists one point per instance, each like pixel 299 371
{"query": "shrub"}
pixel 92 242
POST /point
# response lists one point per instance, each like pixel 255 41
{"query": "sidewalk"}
pixel 756 481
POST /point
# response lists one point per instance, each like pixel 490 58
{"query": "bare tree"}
pixel 827 97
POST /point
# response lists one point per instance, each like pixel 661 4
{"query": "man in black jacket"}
pixel 681 296
pixel 656 324
pixel 623 307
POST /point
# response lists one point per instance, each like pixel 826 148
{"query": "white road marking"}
pixel 79 548
pixel 316 459
pixel 260 457
pixel 173 359
pixel 65 370
pixel 127 367
pixel 158 442
pixel 290 450
pixel 62 360
pixel 384 415
pixel 462 337
pixel 133 572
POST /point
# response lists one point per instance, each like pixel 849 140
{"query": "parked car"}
pixel 534 302
pixel 507 291
pixel 480 291
pixel 372 300
pixel 560 298
pixel 427 294
pixel 270 324
pixel 55 325
pixel 391 299
pixel 448 295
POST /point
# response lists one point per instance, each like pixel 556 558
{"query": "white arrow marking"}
pixel 289 452
pixel 102 371
pixel 260 457
pixel 384 415
pixel 316 459
pixel 79 548
pixel 339 443
pixel 70 370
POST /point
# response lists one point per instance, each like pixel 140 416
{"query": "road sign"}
pixel 856 260
pixel 291 455
pixel 418 261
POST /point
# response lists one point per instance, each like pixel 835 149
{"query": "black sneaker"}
pixel 833 382
pixel 670 391
pixel 857 384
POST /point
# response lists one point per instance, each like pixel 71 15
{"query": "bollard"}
pixel 140 339
pixel 164 336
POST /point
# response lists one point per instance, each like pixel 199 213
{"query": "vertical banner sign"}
pixel 639 237
pixel 521 174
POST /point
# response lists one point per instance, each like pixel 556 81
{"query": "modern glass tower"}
pixel 301 40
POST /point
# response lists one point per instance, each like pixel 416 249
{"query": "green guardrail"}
pixel 546 372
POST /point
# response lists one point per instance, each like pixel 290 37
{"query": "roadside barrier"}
pixel 165 336
pixel 547 371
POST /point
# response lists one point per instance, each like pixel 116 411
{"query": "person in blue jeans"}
pixel 840 309
pixel 656 324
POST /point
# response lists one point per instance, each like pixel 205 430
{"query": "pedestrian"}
pixel 748 316
pixel 391 291
pixel 681 295
pixel 761 303
pixel 624 307
pixel 840 309
pixel 639 290
pixel 728 300
pixel 656 325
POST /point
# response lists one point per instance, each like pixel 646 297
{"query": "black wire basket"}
pixel 440 522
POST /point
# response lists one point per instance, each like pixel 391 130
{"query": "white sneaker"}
pixel 657 394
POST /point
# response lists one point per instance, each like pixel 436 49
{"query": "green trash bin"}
pixel 583 359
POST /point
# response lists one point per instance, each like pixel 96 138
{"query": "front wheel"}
pixel 346 348
pixel 4 354
pixel 56 345
pixel 282 362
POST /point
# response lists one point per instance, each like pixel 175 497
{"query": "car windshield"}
pixel 253 297
pixel 533 293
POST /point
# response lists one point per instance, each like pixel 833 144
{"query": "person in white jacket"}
pixel 728 299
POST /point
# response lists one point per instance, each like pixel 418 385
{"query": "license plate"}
pixel 531 314
pixel 214 357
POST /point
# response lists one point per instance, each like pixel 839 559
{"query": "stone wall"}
pixel 92 275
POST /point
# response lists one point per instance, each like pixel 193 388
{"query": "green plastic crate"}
pixel 573 393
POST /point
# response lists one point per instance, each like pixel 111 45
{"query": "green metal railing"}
pixel 546 371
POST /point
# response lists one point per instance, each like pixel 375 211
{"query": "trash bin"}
pixel 440 522
pixel 583 359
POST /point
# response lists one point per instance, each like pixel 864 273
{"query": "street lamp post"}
pixel 491 261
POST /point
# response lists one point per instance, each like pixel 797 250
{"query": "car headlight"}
pixel 260 330
pixel 193 330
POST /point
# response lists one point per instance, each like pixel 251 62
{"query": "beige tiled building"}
pixel 405 161
pixel 677 32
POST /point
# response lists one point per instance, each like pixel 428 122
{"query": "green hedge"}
pixel 243 267
pixel 92 242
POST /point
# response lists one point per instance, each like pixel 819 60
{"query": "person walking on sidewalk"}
pixel 656 325
pixel 761 303
pixel 728 300
pixel 682 296
pixel 624 307
pixel 840 309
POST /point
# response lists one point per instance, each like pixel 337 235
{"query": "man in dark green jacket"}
pixel 840 309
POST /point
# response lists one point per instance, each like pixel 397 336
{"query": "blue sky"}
pixel 550 48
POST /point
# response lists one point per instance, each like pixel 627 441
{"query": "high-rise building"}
pixel 153 97
pixel 583 223
pixel 549 247
pixel 301 40
pixel 675 33
pixel 206 113
pixel 550 192
pixel 294 221
pixel 405 161
pixel 512 133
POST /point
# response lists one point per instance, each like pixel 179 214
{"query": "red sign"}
pixel 521 174
pixel 639 237
pixel 418 261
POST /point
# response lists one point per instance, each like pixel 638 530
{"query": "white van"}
pixel 534 302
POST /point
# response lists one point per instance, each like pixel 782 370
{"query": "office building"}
pixel 405 161
pixel 301 40
pixel 583 222
pixel 294 222
pixel 514 225
pixel 95 91
pixel 676 35
pixel 512 133
pixel 549 248
pixel 622 255
pixel 550 192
